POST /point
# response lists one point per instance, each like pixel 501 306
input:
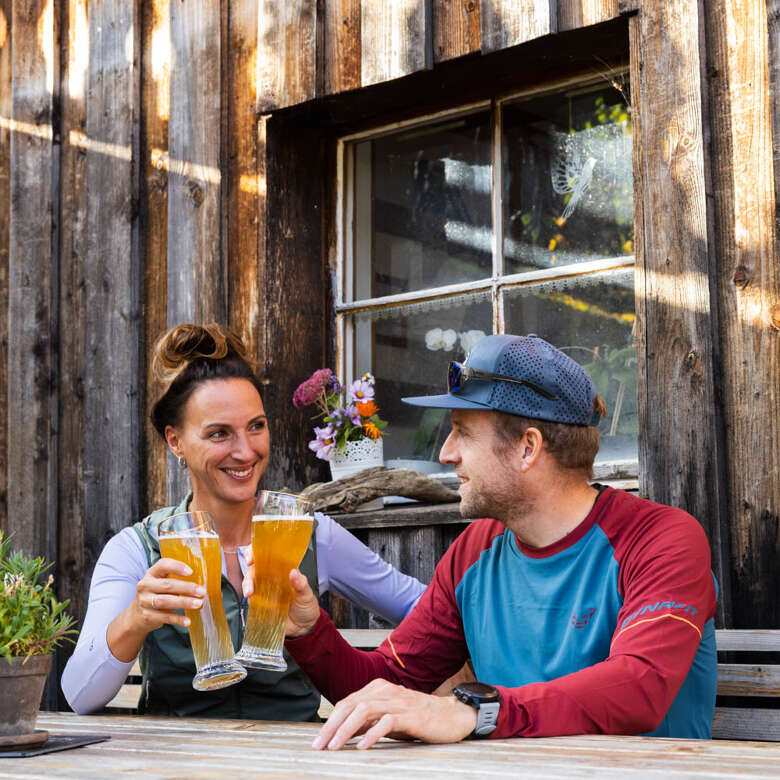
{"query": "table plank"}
pixel 200 748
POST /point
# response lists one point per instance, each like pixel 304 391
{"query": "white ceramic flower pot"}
pixel 359 455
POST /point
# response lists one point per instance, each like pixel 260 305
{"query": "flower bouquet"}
pixel 349 414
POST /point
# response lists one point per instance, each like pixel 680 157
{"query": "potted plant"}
pixel 32 624
pixel 350 438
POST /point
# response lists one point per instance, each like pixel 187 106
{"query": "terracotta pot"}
pixel 21 689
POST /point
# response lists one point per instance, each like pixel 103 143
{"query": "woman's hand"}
pixel 160 592
pixel 157 594
pixel 304 607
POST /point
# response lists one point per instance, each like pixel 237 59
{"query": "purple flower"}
pixel 354 415
pixel 361 390
pixel 325 442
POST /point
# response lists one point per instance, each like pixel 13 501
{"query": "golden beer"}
pixel 279 542
pixel 209 632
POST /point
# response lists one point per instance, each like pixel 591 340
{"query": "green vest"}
pixel 168 665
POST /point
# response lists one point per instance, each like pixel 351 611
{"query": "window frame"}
pixel 345 305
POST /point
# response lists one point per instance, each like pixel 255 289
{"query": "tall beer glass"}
pixel 281 528
pixel 190 538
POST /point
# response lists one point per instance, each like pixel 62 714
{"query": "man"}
pixel 583 609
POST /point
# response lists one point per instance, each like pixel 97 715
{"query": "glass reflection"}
pixel 422 207
pixel 412 347
pixel 591 319
pixel 568 192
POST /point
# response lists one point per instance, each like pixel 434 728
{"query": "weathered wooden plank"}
pixel 748 680
pixel 286 53
pixel 293 324
pixel 456 28
pixel 748 640
pixel 573 14
pixel 342 37
pixel 506 23
pixel 403 515
pixel 196 285
pixel 73 581
pixel 680 448
pixel 245 191
pixel 396 39
pixel 32 394
pixel 5 223
pixel 746 723
pixel 747 285
pixel 153 207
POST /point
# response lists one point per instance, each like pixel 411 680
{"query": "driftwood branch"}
pixel 350 492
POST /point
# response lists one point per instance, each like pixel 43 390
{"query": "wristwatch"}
pixel 486 700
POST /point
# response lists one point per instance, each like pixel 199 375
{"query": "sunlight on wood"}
pixel 121 152
pixel 161 56
pixel 78 49
pixel 3 29
pixel 39 131
pixel 46 42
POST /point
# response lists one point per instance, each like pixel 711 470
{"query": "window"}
pixel 513 215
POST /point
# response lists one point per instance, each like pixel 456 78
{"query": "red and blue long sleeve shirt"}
pixel 608 630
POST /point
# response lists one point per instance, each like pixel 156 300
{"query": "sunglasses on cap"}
pixel 458 375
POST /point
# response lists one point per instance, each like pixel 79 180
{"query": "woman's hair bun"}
pixel 183 343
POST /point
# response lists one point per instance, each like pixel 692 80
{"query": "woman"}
pixel 212 418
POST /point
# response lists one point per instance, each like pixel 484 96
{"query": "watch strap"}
pixel 487 717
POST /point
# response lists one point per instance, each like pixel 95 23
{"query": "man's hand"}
pixel 304 607
pixel 382 709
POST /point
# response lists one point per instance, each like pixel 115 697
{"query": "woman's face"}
pixel 223 436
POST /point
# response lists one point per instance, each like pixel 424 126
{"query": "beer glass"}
pixel 281 528
pixel 190 538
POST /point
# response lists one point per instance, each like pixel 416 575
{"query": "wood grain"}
pixel 32 389
pixel 208 747
pixel 5 224
pixel 506 23
pixel 153 206
pixel 456 28
pixel 286 53
pixel 395 39
pixel 676 377
pixel 294 311
pixel 342 38
pixel 746 277
pixel 245 191
pixel 73 582
pixel 748 680
pixel 573 14
pixel 748 724
pixel 196 285
pixel 753 640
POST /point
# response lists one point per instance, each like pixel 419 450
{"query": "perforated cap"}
pixel 522 357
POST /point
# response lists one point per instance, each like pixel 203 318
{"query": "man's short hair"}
pixel 574 447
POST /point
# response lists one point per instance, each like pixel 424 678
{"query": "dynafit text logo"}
pixel 580 621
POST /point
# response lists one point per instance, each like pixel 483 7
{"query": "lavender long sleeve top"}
pixel 345 566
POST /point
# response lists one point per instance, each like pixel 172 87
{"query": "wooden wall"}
pixel 162 161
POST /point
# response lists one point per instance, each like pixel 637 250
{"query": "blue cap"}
pixel 522 357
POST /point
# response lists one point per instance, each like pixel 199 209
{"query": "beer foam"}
pixel 191 534
pixel 277 518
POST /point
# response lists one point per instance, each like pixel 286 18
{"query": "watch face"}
pixel 485 692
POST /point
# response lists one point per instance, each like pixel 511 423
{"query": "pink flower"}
pixel 308 392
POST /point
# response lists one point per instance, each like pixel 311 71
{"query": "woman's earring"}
pixel 182 462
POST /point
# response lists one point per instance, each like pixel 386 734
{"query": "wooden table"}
pixel 166 748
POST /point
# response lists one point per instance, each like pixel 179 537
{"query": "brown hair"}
pixel 573 447
pixel 188 355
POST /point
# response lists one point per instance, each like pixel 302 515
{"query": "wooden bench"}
pixel 744 689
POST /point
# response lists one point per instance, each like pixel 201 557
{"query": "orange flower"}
pixel 371 430
pixel 366 408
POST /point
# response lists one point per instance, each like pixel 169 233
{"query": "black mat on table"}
pixel 53 744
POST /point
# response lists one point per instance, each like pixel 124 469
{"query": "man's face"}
pixel 490 485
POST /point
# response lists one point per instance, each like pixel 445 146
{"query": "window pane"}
pixel 422 207
pixel 568 193
pixel 592 320
pixel 411 350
